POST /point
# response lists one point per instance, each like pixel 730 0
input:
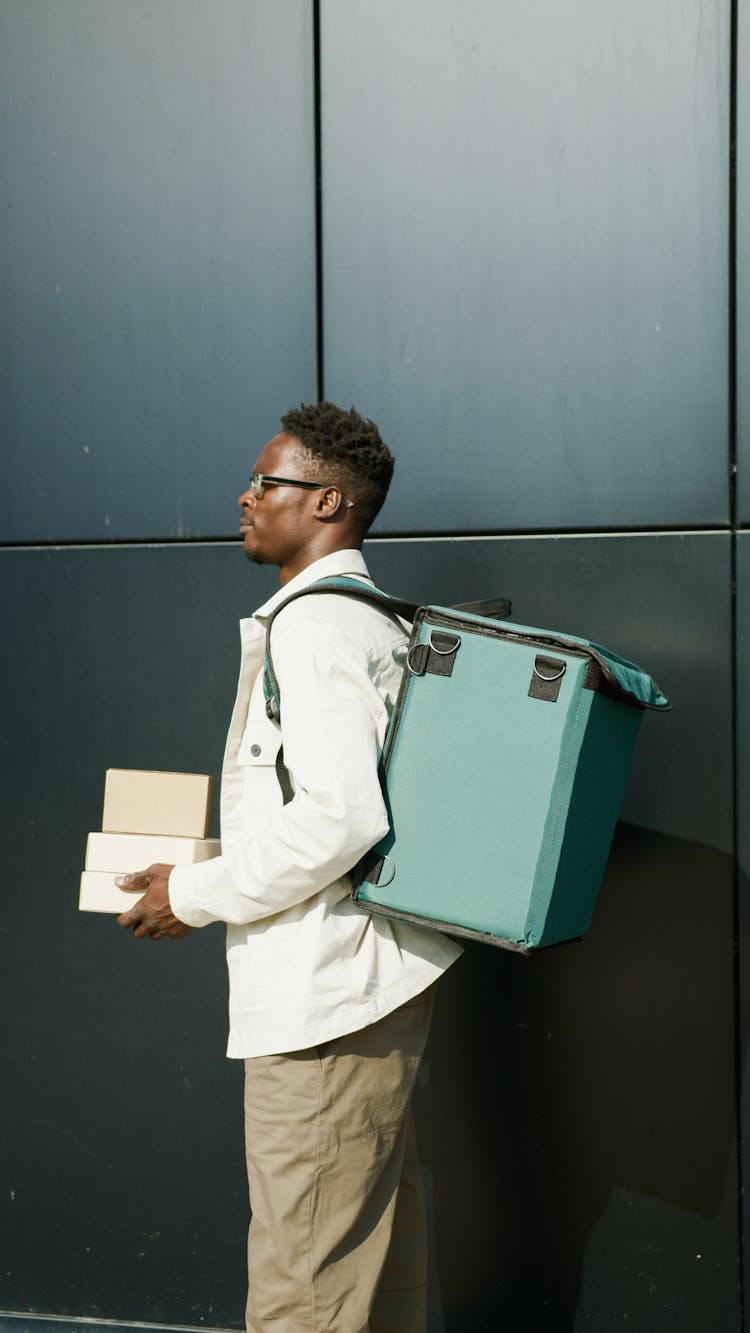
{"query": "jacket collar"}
pixel 338 562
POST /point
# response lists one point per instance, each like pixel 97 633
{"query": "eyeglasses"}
pixel 259 480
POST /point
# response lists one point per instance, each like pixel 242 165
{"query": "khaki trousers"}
pixel 337 1238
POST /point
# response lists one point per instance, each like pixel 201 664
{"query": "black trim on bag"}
pixel 463 932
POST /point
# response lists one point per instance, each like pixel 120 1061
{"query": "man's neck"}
pixel 302 562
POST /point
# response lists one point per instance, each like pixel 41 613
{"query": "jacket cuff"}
pixel 187 888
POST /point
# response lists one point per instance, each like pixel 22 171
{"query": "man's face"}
pixel 278 527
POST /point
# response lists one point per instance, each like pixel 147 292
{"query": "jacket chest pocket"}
pixel 261 739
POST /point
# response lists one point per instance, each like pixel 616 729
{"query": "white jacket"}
pixel 306 964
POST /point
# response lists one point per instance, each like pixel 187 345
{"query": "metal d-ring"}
pixel 409 666
pixel 383 883
pixel 431 647
pixel 444 652
pixel 557 676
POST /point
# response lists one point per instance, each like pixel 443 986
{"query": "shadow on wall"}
pixel 577 1122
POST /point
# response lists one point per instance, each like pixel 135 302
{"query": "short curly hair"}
pixel 350 447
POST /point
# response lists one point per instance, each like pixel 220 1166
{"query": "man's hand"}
pixel 152 914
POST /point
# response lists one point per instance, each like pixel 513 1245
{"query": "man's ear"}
pixel 331 505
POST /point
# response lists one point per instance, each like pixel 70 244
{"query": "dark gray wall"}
pixel 742 353
pixel 158 273
pixel 526 281
pixel 525 230
pixel 743 711
pixel 743 853
pixel 743 262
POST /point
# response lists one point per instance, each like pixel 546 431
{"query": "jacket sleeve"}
pixel 333 722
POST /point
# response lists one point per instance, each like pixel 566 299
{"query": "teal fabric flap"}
pixel 627 677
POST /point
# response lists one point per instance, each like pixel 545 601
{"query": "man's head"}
pixel 345 469
pixel 350 451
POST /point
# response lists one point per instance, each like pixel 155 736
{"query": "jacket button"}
pixel 255 751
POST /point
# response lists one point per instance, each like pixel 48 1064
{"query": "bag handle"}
pixel 493 608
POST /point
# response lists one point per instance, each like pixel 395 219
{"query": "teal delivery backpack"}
pixel 504 768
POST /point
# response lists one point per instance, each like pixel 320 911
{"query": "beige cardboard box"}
pixel 144 801
pixel 99 893
pixel 121 853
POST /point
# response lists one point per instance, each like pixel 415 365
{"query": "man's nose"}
pixel 245 498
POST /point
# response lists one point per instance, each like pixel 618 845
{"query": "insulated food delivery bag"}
pixel 504 767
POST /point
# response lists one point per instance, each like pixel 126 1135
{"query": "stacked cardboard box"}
pixel 148 817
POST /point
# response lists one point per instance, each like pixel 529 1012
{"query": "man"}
pixel 329 1006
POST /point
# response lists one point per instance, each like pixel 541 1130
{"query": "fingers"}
pixel 153 925
pixel 129 918
pixel 179 930
pixel 154 879
pixel 138 882
pixel 145 930
pixel 151 916
pixel 145 926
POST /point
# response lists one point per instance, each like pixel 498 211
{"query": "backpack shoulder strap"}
pixel 497 608
pixel 340 584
